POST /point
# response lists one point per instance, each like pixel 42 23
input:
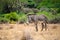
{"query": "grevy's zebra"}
pixel 34 18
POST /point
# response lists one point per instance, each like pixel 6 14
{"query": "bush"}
pixel 22 17
pixel 47 14
pixel 9 17
pixel 3 20
pixel 56 20
pixel 51 18
pixel 13 16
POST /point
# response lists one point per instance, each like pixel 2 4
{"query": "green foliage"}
pixel 47 14
pixel 49 3
pixel 31 2
pixel 22 16
pixel 57 15
pixel 3 20
pixel 12 16
pixel 16 4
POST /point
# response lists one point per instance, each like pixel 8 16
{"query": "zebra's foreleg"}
pixel 36 26
pixel 27 23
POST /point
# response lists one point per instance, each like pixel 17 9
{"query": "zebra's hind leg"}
pixel 45 26
pixel 42 26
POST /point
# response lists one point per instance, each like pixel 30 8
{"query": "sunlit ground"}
pixel 18 31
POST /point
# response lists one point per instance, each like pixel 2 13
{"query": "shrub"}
pixel 22 17
pixel 51 18
pixel 47 14
pixel 3 20
pixel 9 17
pixel 13 16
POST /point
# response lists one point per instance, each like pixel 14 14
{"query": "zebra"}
pixel 35 19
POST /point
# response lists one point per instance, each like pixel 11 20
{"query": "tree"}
pixel 9 5
pixel 49 3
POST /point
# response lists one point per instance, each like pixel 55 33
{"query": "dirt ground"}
pixel 20 31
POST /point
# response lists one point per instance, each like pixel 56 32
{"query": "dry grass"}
pixel 28 32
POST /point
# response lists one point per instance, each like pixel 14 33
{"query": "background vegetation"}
pixel 17 10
